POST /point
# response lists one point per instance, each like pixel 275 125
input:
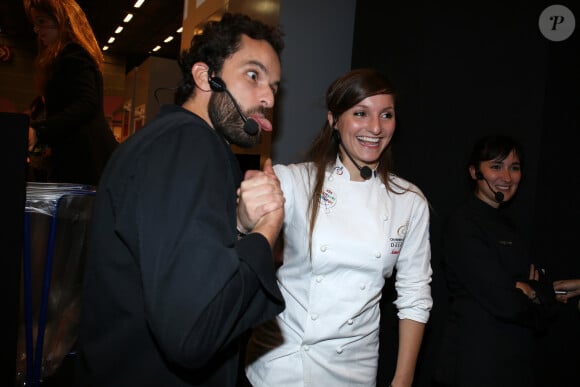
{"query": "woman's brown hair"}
pixel 73 26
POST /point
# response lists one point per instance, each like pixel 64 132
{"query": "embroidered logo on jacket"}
pixel 327 199
pixel 396 243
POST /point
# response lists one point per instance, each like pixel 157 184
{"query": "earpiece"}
pixel 217 84
pixel 478 175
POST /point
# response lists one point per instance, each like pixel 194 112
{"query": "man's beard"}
pixel 227 121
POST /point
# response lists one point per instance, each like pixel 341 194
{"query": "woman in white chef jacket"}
pixel 349 223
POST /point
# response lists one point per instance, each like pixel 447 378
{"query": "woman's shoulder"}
pixel 400 185
pixel 73 48
pixel 468 212
pixel 295 174
pixel 294 169
pixel 74 52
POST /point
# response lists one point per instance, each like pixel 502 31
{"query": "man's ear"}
pixel 200 74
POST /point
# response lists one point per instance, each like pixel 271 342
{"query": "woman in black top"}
pixel 496 301
pixel 68 74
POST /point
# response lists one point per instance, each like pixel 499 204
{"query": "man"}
pixel 170 285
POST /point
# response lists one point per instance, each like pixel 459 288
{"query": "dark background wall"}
pixel 464 69
pixel 318 40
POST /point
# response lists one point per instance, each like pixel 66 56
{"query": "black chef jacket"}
pixel 489 333
pixel 168 287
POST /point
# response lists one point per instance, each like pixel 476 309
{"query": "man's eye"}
pixel 253 75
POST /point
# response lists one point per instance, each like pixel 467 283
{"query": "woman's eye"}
pixel 388 115
pixel 253 75
pixel 360 114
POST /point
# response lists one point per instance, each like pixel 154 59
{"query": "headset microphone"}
pixel 251 127
pixel 365 172
pixel 498 196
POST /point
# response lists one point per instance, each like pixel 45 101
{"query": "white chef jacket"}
pixel 328 335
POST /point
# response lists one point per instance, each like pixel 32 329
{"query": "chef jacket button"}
pixel 323 248
pixel 314 316
pixel 319 279
pixel 377 254
pixel 385 217
pixel 362 286
pixel 306 348
pixel 330 178
pixel 350 321
pixel 339 350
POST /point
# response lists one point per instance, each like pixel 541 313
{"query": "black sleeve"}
pixel 545 306
pixel 243 302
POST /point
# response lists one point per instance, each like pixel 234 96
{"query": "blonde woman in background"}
pixel 69 75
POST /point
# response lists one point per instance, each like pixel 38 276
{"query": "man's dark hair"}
pixel 219 40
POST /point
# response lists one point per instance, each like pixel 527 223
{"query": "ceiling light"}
pixel 111 40
pixel 105 48
pixel 118 30
pixel 168 39
pixel 157 48
pixel 138 3
pixel 179 30
pixel 128 18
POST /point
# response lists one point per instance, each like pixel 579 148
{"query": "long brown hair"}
pixel 342 94
pixel 73 26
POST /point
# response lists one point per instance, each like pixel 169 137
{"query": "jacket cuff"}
pixel 255 250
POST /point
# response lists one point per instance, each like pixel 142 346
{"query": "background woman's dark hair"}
pixel 493 147
pixel 219 40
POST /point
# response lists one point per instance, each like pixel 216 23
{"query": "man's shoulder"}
pixel 173 124
pixel 176 113
pixel 173 119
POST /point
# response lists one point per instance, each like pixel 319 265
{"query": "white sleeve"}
pixel 414 271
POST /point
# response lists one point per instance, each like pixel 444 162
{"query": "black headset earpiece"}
pixel 217 84
pixel 478 175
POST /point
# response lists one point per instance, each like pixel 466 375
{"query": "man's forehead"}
pixel 256 51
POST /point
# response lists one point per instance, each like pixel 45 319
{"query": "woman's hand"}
pixel 570 286
pixel 526 288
